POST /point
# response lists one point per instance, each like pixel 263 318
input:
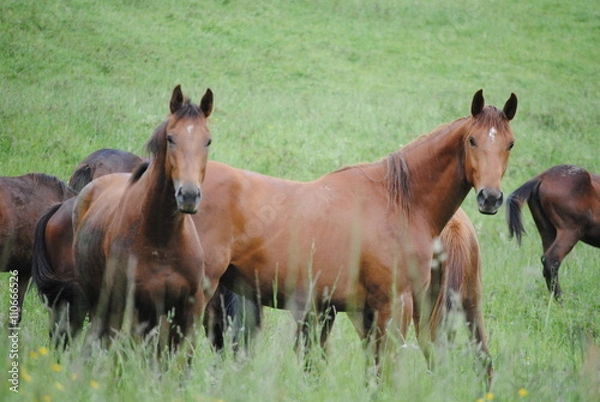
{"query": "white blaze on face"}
pixel 492 133
pixel 190 128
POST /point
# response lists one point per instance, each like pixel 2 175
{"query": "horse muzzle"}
pixel 188 198
pixel 489 200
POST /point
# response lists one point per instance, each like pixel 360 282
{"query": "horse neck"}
pixel 161 219
pixel 437 181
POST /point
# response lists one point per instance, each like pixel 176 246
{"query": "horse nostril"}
pixel 188 197
pixel 489 200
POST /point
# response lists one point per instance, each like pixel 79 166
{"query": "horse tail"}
pixel 458 271
pixel 515 202
pixel 49 285
pixel 80 177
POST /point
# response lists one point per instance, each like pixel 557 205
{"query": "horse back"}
pixel 23 200
pixel 100 163
pixel 570 198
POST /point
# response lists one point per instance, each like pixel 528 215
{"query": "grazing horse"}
pixel 565 204
pixel 134 239
pixel 359 239
pixel 23 199
pixel 103 162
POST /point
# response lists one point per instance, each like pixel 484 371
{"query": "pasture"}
pixel 301 89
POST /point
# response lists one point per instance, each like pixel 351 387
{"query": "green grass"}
pixel 302 88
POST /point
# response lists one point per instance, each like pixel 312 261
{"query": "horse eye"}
pixel 170 139
pixel 472 141
pixel 512 144
pixel 209 142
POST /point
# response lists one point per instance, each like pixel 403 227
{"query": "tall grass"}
pixel 302 88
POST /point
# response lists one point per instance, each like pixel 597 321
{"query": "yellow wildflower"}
pixel 33 354
pixel 47 398
pixel 25 375
pixel 43 351
pixel 489 396
pixel 94 384
pixel 59 386
pixel 523 392
pixel 56 367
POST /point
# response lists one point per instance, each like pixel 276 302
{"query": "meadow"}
pixel 301 89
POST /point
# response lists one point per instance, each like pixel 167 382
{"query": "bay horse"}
pixel 53 268
pixel 456 288
pixel 23 199
pixel 134 239
pixel 103 162
pixel 565 205
pixel 359 239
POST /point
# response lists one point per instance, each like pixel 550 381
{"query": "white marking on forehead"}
pixel 493 133
pixel 190 128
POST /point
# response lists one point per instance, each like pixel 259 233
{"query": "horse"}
pixel 565 204
pixel 23 199
pixel 103 162
pixel 359 239
pixel 133 236
pixel 457 284
pixel 53 263
pixel 456 288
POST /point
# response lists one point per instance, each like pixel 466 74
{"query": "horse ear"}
pixel 510 107
pixel 176 99
pixel 478 103
pixel 206 104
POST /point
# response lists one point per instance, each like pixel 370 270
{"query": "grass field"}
pixel 303 88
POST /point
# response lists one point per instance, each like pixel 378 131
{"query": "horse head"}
pixel 186 143
pixel 488 141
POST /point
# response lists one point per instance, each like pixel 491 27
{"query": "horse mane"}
pixel 398 180
pixel 491 115
pixel 398 172
pixel 138 171
pixel 156 144
pixel 49 180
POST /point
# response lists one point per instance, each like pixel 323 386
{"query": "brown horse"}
pixel 565 204
pixel 359 239
pixel 103 162
pixel 456 290
pixel 134 239
pixel 53 263
pixel 458 287
pixel 23 199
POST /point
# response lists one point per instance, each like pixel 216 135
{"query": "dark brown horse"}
pixel 359 239
pixel 103 162
pixel 565 204
pixel 23 199
pixel 134 239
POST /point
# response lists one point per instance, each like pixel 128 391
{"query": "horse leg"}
pixel 310 324
pixel 553 256
pixel 475 323
pixel 23 285
pixel 390 329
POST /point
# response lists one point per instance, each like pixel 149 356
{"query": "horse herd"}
pixel 156 244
